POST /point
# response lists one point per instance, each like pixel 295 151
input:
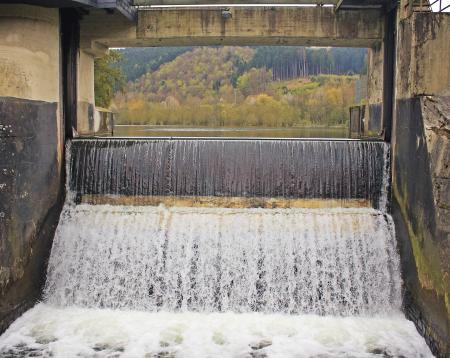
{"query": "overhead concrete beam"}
pixel 309 26
pixel 230 2
pixel 100 31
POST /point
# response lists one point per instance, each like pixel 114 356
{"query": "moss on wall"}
pixel 415 159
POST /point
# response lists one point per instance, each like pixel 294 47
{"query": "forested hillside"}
pixel 240 86
pixel 286 62
pixel 136 62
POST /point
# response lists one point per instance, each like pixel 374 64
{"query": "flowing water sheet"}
pixel 339 261
pixel 230 168
pixel 146 281
pixel 197 282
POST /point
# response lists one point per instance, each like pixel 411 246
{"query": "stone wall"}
pixel 421 172
pixel 31 151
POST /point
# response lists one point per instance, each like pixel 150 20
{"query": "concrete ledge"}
pixel 222 202
pixel 259 25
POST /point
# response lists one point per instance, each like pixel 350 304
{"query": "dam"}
pixel 204 278
pixel 223 247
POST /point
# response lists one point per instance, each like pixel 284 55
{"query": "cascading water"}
pixel 210 167
pixel 339 262
pixel 156 281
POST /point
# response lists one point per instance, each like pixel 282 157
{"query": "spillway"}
pixel 235 168
pixel 171 281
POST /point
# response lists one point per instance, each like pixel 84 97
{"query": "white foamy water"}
pixel 214 282
pixel 340 262
pixel 79 332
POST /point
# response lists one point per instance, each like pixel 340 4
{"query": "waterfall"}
pixel 329 261
pixel 340 262
pixel 234 168
pixel 173 281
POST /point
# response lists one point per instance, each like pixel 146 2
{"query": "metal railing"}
pixel 429 5
pixel 441 7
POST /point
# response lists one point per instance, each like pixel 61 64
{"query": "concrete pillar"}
pixel 421 171
pixel 90 49
pixel 31 150
pixel 373 118
pixel 86 97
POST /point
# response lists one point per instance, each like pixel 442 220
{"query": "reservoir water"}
pixel 177 131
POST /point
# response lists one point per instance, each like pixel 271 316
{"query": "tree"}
pixel 107 78
pixel 255 81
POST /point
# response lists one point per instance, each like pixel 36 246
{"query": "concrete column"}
pixel 31 150
pixel 373 118
pixel 90 49
pixel 86 97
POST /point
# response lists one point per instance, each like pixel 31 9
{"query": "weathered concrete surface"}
pixel 314 26
pixel 30 185
pixel 309 26
pixel 373 124
pixel 29 65
pixel 421 172
pixel 421 159
pixel 85 95
pixel 31 149
pixel 423 55
pixel 100 30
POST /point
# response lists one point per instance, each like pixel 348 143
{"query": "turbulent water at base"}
pixel 339 262
pixel 251 168
pixel 156 281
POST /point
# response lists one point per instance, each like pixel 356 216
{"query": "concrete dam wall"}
pixel 33 118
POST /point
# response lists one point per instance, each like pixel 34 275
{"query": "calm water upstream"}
pixel 172 131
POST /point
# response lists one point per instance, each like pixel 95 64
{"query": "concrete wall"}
pixel 31 151
pixel 421 171
pixel 85 94
pixel 373 118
